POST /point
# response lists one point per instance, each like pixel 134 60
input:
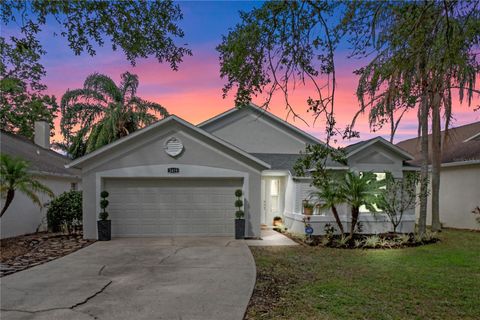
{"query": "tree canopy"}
pixel 138 28
pixel 102 112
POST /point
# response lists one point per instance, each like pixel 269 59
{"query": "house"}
pixel 174 178
pixel 23 216
pixel 459 175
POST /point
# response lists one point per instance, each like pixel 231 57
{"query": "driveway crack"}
pixel 92 296
pixel 63 308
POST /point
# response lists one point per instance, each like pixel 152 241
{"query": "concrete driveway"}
pixel 136 278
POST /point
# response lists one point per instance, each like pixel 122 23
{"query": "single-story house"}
pixel 175 178
pixel 459 175
pixel 23 216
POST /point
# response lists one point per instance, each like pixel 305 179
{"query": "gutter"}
pixel 460 163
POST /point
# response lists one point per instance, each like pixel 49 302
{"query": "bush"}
pixel 65 212
pixel 239 214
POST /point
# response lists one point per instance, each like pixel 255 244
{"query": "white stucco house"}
pixel 23 216
pixel 175 178
pixel 459 175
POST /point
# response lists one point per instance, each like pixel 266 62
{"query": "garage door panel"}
pixel 155 207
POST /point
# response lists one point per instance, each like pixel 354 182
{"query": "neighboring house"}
pixel 23 216
pixel 459 176
pixel 174 178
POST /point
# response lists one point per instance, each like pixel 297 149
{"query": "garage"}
pixel 171 207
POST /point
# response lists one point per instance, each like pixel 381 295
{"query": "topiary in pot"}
pixel 239 216
pixel 104 225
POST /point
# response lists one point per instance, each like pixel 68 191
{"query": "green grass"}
pixel 435 281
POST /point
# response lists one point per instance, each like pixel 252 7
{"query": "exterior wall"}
pixel 144 156
pixel 24 217
pixel 459 194
pixel 254 133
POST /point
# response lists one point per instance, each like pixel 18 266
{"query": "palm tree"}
pixel 329 196
pixel 360 189
pixel 14 176
pixel 102 112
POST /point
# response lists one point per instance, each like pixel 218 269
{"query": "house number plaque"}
pixel 173 170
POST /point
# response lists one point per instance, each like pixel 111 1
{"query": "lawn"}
pixel 435 281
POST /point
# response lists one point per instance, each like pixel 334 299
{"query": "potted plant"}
pixel 277 221
pixel 104 226
pixel 307 208
pixel 239 216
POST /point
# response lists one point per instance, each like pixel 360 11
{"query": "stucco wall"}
pixel 459 194
pixel 23 216
pixel 147 151
pixel 255 133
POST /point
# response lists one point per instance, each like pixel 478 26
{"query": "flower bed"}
pixel 378 241
pixel 23 252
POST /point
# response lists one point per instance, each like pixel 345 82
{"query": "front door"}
pixel 272 199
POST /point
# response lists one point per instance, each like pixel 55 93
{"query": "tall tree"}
pixel 279 46
pixel 139 28
pixel 102 112
pixel 14 176
pixel 423 51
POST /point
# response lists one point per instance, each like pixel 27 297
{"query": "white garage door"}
pixel 160 207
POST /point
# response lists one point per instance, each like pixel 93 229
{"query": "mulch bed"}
pixel 23 252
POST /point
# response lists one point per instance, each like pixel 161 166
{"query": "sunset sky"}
pixel 194 93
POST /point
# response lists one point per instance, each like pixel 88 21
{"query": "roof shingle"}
pixel 41 160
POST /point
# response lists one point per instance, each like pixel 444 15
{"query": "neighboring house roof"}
pixel 263 113
pixel 461 144
pixel 359 146
pixel 77 162
pixel 42 161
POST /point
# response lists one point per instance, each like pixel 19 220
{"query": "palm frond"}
pixel 103 84
pixel 129 85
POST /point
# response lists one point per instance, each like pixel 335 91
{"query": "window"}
pixel 380 176
pixel 274 195
pixel 73 186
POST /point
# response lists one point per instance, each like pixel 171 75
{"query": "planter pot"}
pixel 308 211
pixel 277 223
pixel 239 228
pixel 104 230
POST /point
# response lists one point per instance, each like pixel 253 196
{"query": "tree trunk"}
pixel 8 201
pixel 436 162
pixel 422 220
pixel 355 212
pixel 337 219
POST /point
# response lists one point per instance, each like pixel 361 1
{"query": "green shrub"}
pixel 372 241
pixel 238 193
pixel 239 214
pixel 238 203
pixel 65 211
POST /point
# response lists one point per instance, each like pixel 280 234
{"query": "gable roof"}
pixel 42 161
pixel 265 113
pixel 461 144
pixel 172 118
pixel 359 146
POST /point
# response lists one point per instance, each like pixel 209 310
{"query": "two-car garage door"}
pixel 159 207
